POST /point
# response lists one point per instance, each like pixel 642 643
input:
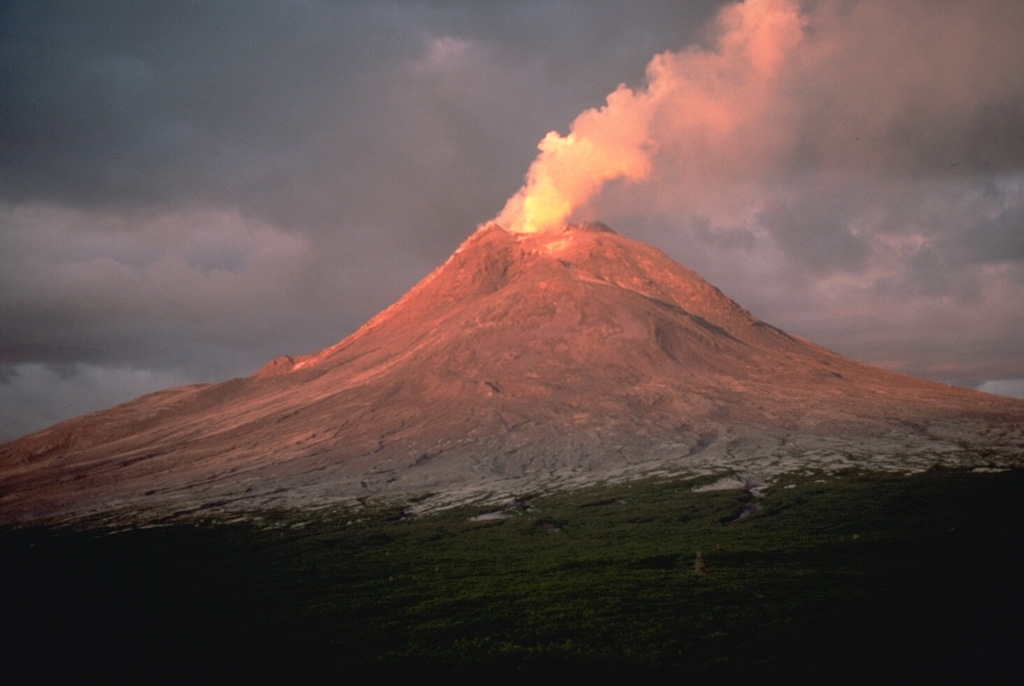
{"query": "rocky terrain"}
pixel 523 363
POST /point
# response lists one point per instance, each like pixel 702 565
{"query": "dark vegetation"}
pixel 862 575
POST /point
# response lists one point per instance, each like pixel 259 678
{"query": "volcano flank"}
pixel 524 362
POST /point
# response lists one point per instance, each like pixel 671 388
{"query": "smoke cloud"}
pixel 701 99
pixel 780 92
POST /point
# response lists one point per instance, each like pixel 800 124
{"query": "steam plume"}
pixel 692 100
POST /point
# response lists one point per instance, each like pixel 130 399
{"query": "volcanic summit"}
pixel 525 361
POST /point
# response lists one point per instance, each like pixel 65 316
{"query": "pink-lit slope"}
pixel 524 361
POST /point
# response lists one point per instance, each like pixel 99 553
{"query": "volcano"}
pixel 524 362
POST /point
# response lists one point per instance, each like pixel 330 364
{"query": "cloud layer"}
pixel 189 190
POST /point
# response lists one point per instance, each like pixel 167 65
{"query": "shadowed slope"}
pixel 523 361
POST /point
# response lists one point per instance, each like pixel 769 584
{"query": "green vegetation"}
pixel 854 576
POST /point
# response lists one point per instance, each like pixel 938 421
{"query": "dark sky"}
pixel 188 189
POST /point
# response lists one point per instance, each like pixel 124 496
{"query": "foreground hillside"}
pixel 834 580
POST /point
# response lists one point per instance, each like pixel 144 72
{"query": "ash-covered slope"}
pixel 522 362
